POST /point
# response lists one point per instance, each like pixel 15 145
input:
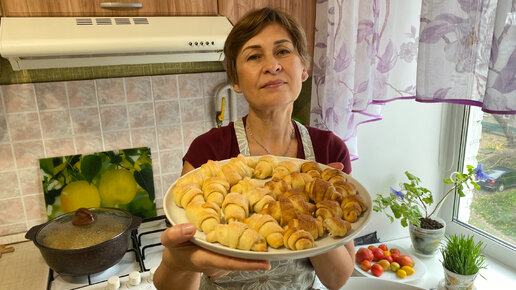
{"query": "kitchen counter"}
pixel 24 268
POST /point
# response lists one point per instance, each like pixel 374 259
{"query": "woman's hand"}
pixel 183 261
pixel 336 165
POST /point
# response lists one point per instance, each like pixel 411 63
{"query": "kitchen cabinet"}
pixel 302 11
pixel 41 8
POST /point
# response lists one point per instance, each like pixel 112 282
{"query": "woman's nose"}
pixel 272 65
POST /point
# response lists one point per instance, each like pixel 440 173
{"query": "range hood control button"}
pixel 113 283
pixel 135 278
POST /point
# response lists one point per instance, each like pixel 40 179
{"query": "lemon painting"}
pixel 120 178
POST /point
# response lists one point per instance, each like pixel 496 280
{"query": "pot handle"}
pixel 136 221
pixel 31 234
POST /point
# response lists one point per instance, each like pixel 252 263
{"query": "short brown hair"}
pixel 250 25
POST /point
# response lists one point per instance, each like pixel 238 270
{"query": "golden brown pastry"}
pixel 307 223
pixel 312 168
pixel 258 198
pixel 301 205
pixel 296 239
pixel 337 227
pixel 297 192
pixel 352 207
pixel 192 177
pixel 205 215
pixel 265 166
pixel 297 180
pixel 235 207
pixel 285 167
pixel 215 189
pixel 277 186
pixel 328 208
pixel 245 185
pixel 186 193
pixel 237 235
pixel 249 161
pixel 267 227
pixel 320 189
pixel 210 168
pixel 281 210
pixel 345 188
pixel 234 171
pixel 332 175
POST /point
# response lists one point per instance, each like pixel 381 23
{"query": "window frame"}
pixel 454 129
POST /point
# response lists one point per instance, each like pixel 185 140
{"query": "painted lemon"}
pixel 117 186
pixel 78 194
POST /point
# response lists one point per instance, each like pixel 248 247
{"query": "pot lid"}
pixel 83 228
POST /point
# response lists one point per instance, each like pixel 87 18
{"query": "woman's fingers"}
pixel 336 165
pixel 178 234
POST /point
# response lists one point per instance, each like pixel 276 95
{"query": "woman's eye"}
pixel 283 51
pixel 253 57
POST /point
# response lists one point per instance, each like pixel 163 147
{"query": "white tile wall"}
pixel 62 118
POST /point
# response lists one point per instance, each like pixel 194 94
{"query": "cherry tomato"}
pixel 363 254
pixel 395 266
pixel 371 247
pixel 378 254
pixel 388 258
pixel 408 270
pixel 402 274
pixel 383 247
pixel 377 270
pixel 365 265
pixel 405 260
pixel 395 251
pixel 395 256
pixel 384 263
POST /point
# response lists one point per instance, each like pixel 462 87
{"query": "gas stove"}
pixel 134 271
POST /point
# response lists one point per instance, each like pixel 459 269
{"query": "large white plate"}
pixel 369 283
pixel 419 266
pixel 176 215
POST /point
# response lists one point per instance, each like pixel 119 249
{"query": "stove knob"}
pixel 113 283
pixel 135 278
pixel 151 273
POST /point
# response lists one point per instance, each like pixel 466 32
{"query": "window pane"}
pixel 491 142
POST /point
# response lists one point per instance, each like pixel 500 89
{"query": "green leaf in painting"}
pixel 90 166
pixel 47 165
pixel 145 180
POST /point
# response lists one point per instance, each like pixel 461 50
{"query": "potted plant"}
pixel 462 260
pixel 407 204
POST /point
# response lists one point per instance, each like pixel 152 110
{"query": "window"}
pixel 488 213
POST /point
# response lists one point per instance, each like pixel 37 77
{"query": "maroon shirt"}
pixel 221 143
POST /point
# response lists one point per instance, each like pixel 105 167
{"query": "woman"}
pixel 266 60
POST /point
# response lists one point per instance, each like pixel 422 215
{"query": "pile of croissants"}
pixel 252 203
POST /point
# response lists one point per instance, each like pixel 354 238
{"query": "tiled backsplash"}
pixel 42 120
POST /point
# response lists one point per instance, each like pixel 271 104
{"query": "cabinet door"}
pixel 302 11
pixel 17 8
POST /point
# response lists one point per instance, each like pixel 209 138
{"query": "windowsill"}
pixel 497 275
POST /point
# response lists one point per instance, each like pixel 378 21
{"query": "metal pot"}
pixel 71 246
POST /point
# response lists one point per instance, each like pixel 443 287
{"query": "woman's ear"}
pixel 236 88
pixel 304 75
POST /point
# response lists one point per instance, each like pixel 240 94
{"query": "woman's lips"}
pixel 273 84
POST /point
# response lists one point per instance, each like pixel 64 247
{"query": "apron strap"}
pixel 243 146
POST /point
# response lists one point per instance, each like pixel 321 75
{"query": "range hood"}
pixel 58 42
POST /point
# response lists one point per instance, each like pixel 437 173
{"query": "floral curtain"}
pixel 467 54
pixel 365 55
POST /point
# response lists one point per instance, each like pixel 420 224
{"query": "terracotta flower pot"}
pixel 426 241
pixel 454 281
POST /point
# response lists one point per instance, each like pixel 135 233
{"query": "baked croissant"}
pixel 245 185
pixel 210 168
pixel 332 175
pixel 249 161
pixel 192 177
pixel 319 189
pixel 205 215
pixel 328 208
pixel 296 192
pixel 297 180
pixel 345 188
pixel 235 207
pixel 265 166
pixel 307 223
pixel 312 168
pixel 215 189
pixel 301 205
pixel 296 239
pixel 258 198
pixel 352 207
pixel 234 171
pixel 268 227
pixel 237 235
pixel 285 167
pixel 337 227
pixel 277 186
pixel 281 210
pixel 186 193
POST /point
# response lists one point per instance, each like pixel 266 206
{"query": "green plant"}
pixel 406 203
pixel 462 255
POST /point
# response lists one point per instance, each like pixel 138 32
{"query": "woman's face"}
pixel 270 71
